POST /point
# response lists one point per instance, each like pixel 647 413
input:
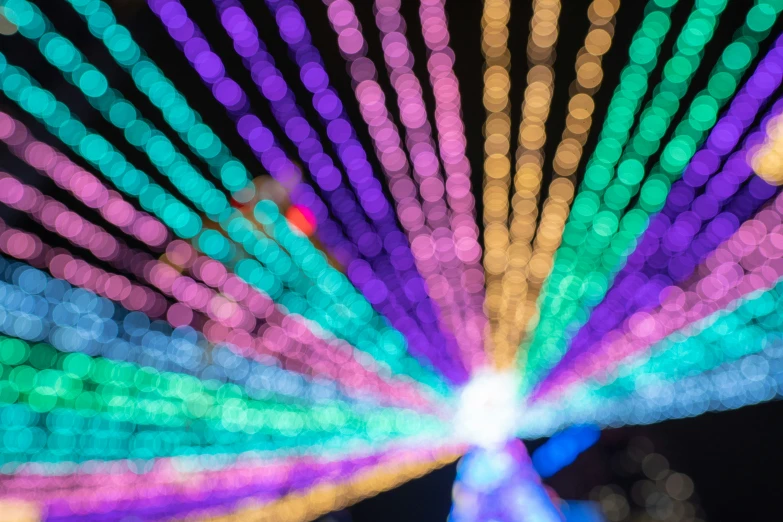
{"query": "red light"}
pixel 301 218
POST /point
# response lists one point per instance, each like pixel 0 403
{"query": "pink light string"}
pixel 292 337
pixel 751 260
pixel 29 247
pixel 96 482
pixel 57 218
pixel 284 337
pixel 426 169
pixel 426 225
pixel 83 185
pixel 451 146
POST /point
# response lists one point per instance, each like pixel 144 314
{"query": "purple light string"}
pixel 428 249
pixel 293 30
pixel 703 209
pixel 262 142
pixel 749 261
pixel 386 235
pixel 226 91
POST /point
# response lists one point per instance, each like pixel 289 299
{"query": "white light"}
pixel 489 409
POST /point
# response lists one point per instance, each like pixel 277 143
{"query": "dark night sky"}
pixel 733 457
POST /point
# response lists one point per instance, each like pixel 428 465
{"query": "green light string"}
pixel 16 84
pixel 620 117
pixel 591 256
pixel 60 52
pixel 327 288
pixel 45 379
pixel 75 436
pixel 348 313
pixel 721 338
pixel 599 223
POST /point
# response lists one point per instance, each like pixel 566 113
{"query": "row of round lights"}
pixel 497 144
pixel 211 241
pixel 218 488
pixel 747 262
pixel 386 277
pixel 568 154
pixel 451 147
pixel 456 316
pixel 387 142
pixel 181 348
pixel 83 185
pixel 708 194
pixel 226 320
pixel 613 235
pixel 544 32
pixel 303 506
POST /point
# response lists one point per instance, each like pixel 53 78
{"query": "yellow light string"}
pixel 13 510
pixel 523 281
pixel 527 178
pixel 324 498
pixel 767 159
pixel 497 165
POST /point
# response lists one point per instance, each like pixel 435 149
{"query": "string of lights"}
pixel 222 211
pixel 224 321
pixel 751 379
pixel 497 144
pixel 289 338
pixel 308 57
pixel 706 195
pixel 451 148
pixel 216 245
pixel 150 492
pixel 527 179
pixel 743 264
pixel 328 177
pixel 388 279
pixel 747 263
pixel 557 204
pixel 300 507
pixel 161 276
pixel 619 232
pixel 413 214
pixel 199 413
pixel 120 335
pixel 83 185
pixel 427 174
pixel 183 337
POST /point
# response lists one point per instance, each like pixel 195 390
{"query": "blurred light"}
pixel 602 233
pixel 302 219
pixel 487 412
pixel 719 279
pixel 500 484
pixel 563 449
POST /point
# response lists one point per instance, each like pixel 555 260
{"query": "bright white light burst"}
pixel 489 409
